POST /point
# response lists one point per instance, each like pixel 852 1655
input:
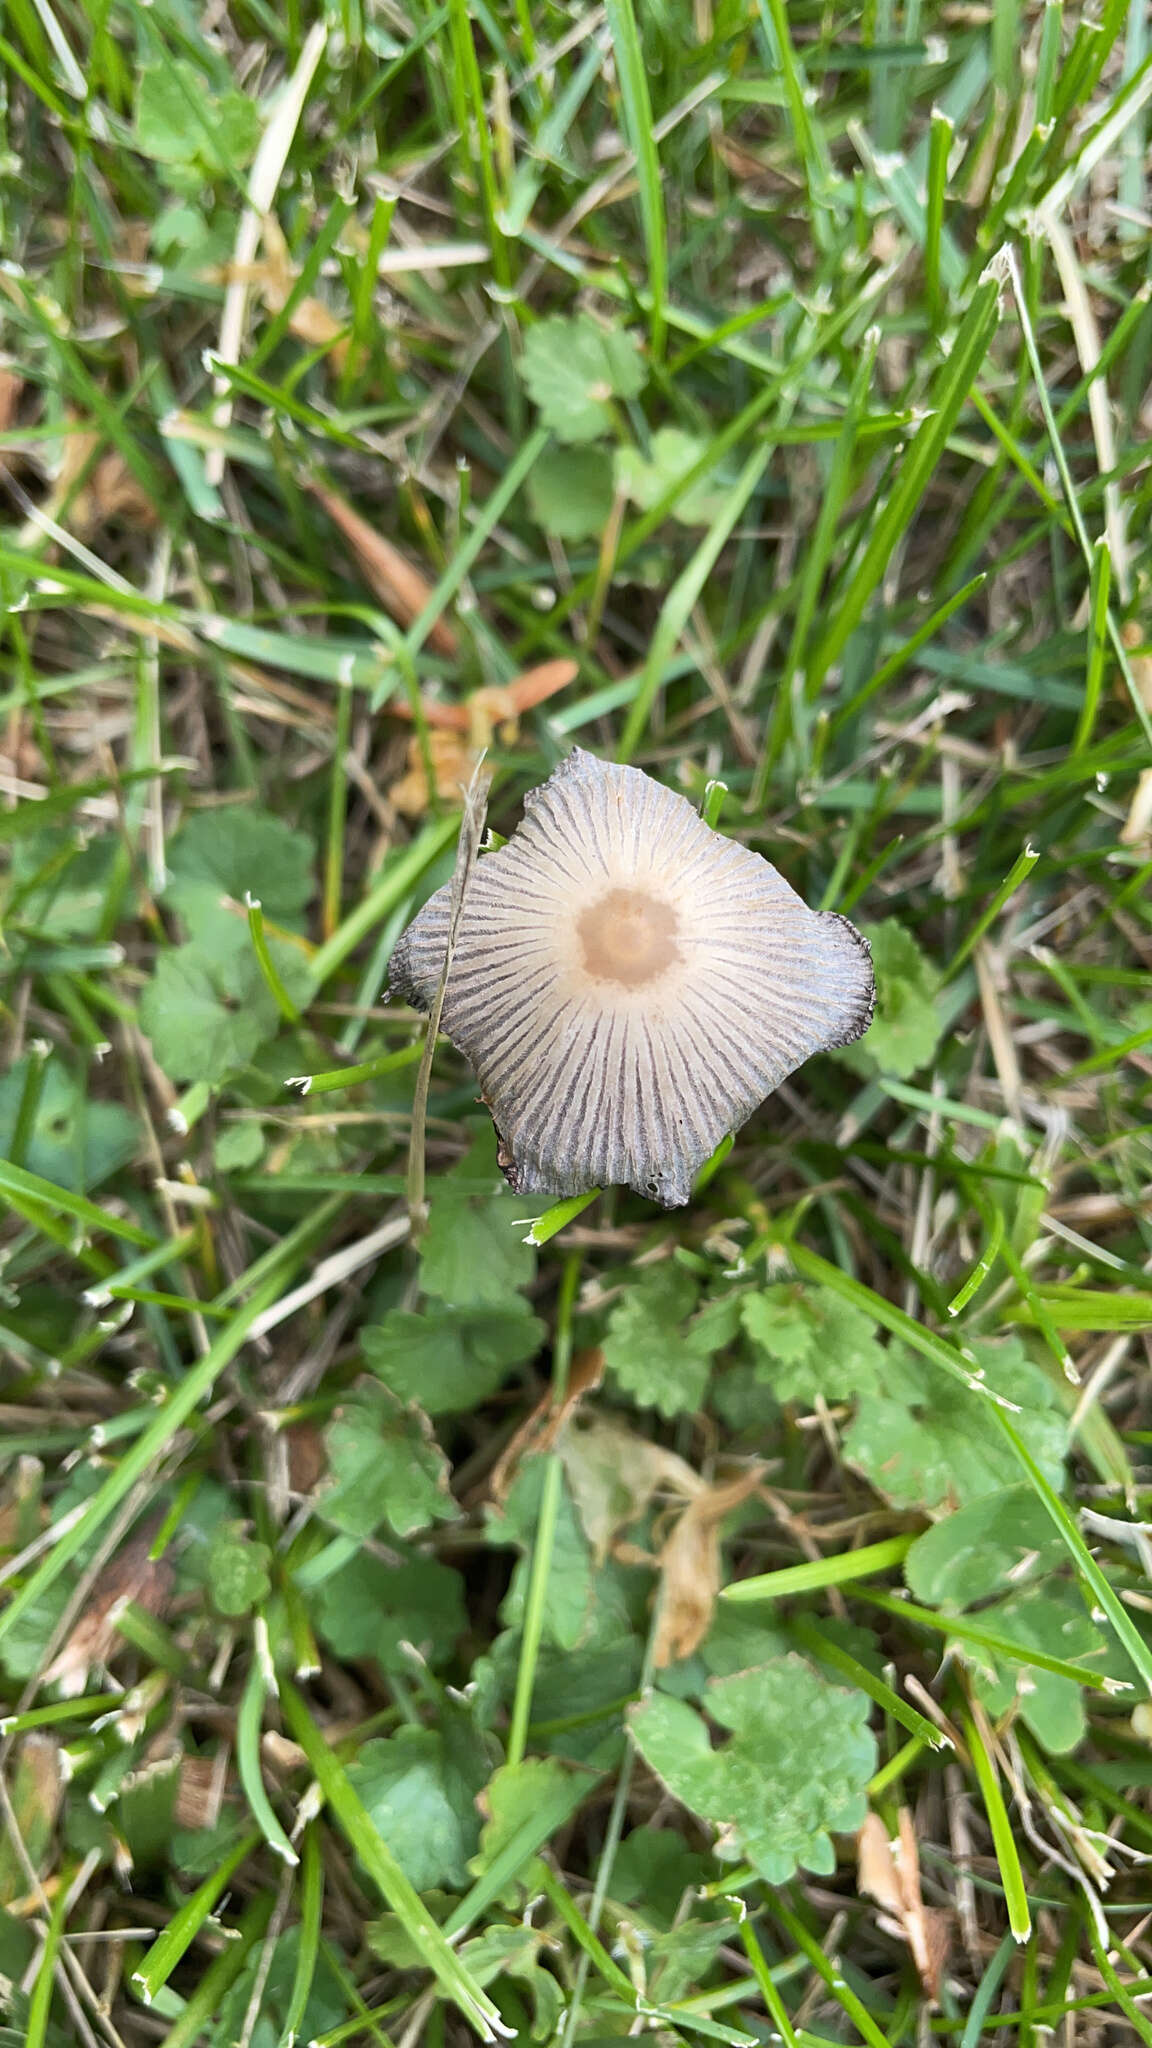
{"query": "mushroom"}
pixel 629 985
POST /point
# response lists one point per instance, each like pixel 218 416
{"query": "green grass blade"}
pixel 1086 1566
pixel 632 78
pixel 943 408
pixel 139 1459
pixel 190 1916
pixel 377 1858
pixel 681 599
pixel 1003 1839
pixel 841 1570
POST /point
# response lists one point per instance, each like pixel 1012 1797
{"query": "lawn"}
pixel 428 1612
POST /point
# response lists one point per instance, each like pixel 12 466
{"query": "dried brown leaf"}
pixel 90 499
pixel 690 1568
pixel 890 1873
pixel 36 1782
pixel 543 1426
pixel 613 1475
pixel 198 1792
pixel 499 706
pixel 131 1575
pixel 11 392
pixel 401 588
pixel 453 761
pixel 274 278
pixel 307 1457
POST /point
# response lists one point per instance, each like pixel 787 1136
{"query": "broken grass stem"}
pixel 276 989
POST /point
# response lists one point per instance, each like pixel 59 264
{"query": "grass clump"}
pixel 474 1636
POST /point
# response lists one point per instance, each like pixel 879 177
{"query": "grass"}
pixel 376 1601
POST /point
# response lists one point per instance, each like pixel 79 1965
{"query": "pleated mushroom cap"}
pixel 629 985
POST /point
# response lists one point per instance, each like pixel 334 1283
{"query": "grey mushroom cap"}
pixel 629 985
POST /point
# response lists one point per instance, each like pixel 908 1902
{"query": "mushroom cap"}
pixel 629 985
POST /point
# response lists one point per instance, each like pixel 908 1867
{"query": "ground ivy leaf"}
pixel 22 1651
pixel 649 1355
pixel 743 1399
pixel 384 1468
pixel 1049 1617
pixel 573 368
pixel 235 849
pixel 420 1787
pixel 180 121
pixel 925 1441
pixel 145 1810
pixel 219 858
pixel 679 1959
pixel 996 1540
pixel 589 1688
pixel 76 1141
pixel 238 1147
pixel 737 1639
pixel 201 1023
pixel 393 1942
pixel 370 1609
pixel 238 1576
pixel 448 1360
pixel 570 492
pixel 326 2007
pixel 906 1028
pixel 61 884
pixel 654 1868
pixel 808 1342
pixel 795 1768
pixel 472 1255
pixel 514 1796
pixel 671 452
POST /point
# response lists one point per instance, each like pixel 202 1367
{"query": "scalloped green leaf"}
pixel 574 367
pixel 794 1771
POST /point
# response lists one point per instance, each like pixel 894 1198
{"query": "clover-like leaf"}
pixel 59 883
pixel 272 1982
pixel 907 1024
pixel 179 120
pixel 995 1541
pixel 926 1441
pixel 472 1254
pixel 220 857
pixel 794 1770
pixel 371 1609
pixel 574 367
pixel 383 1468
pixel 448 1360
pixel 238 1147
pixel 238 1576
pixel 517 1798
pixel 652 1352
pixel 206 1016
pixel 645 479
pixel 654 1868
pixel 420 1786
pixel 1050 1617
pixel 571 1579
pixel 73 1138
pixel 807 1341
pixel 570 492
pixel 517 1952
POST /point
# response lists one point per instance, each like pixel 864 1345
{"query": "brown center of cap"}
pixel 628 937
